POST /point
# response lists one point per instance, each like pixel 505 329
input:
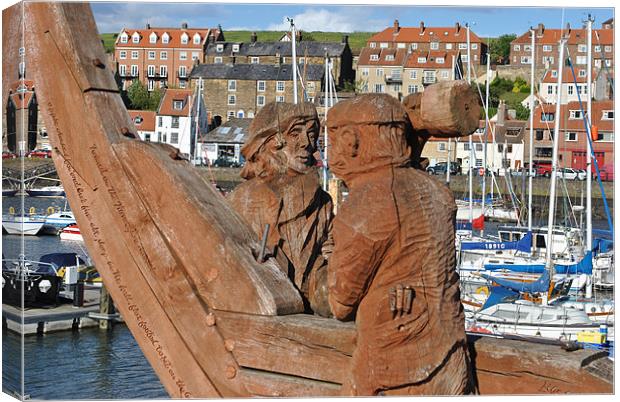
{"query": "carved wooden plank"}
pixel 264 384
pixel 302 345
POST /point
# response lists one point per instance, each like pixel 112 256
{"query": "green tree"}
pixel 154 99
pixel 499 49
pixel 138 96
pixel 523 113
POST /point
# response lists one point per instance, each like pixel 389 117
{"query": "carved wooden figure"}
pixel 182 266
pixel 283 191
pixel 393 265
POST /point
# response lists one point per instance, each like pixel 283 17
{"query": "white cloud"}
pixel 339 20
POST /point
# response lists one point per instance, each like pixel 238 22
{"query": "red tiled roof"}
pixel 575 36
pixel 398 55
pixel 22 98
pixel 28 83
pixel 566 123
pixel 170 95
pixel 174 41
pixel 431 59
pixel 567 76
pixel 427 34
pixel 148 119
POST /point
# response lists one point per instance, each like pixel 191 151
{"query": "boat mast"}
pixel 197 120
pixel 589 152
pixel 470 142
pixel 326 90
pixel 531 151
pixel 449 139
pixel 554 163
pixel 486 138
pixel 293 46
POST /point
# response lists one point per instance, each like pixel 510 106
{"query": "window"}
pixel 466 146
pixel 525 59
pixel 280 98
pixel 582 48
pixel 182 55
pixel 160 121
pixel 150 85
pixel 182 72
pixel 509 148
pixel 240 114
pixel 260 86
pixel 175 122
pixel 184 39
pixel 397 88
pixel 135 38
pixel 462 46
pixel 570 136
pixel 379 88
pixel 374 57
pixel 163 71
pixel 429 77
pixel 165 38
pixel 597 63
pixel 364 72
pixel 582 73
pixel 474 46
pixel 554 73
pixel 232 85
pixel 597 48
pixel 197 38
pixel 150 71
pixel 389 57
pixel 232 100
pixel 230 114
pixel 550 90
pixel 608 114
pixel 608 49
pixel 164 137
pixel 255 60
pixel 153 37
pixel 151 55
pixel 401 45
pixel 414 74
pixel 174 137
pixel 527 48
pixel 373 44
pixel 219 48
pixel 124 37
pixel 478 147
pixel 605 136
pixel 195 55
pixel 412 89
pixel 547 48
pixel 134 54
pixel 570 89
pixel 379 72
pixel 217 60
pixel 547 116
pixel 448 46
pixel 445 74
pixel 581 60
pixel 517 47
pixel 439 60
pixel 122 54
pixel 134 70
pixel 260 100
pixel 421 59
pixel 441 146
pixel 122 70
pixel 434 45
pixel 500 148
pixel 235 48
pixel 163 55
pixel 177 105
pixel 395 74
pixel 383 45
pixel 575 114
pixel 608 63
pixel 414 46
pixel 548 59
pixel 147 137
pixel 280 86
pixel 478 162
pixel 464 58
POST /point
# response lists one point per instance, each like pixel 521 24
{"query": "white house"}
pixel 176 119
pixel 144 120
pixel 570 91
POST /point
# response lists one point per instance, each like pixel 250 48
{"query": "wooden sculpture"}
pixel 181 264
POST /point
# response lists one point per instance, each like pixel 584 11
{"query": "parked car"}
pixel 570 174
pixel 523 172
pixel 442 168
pixel 543 170
pixel 225 162
pixel 8 155
pixel 40 153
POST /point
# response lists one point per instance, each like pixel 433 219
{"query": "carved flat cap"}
pixel 366 109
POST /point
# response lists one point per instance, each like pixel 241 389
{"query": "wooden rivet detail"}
pixel 231 372
pixel 229 344
pixel 210 320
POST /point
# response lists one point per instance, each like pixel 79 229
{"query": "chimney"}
pixel 457 26
pixel 184 25
pixel 568 28
pixel 396 26
pixel 540 30
pixel 253 37
pixel 501 113
pixel 512 113
pixel 345 39
pixel 148 26
pixel 421 27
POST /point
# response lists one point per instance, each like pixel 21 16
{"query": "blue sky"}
pixel 322 16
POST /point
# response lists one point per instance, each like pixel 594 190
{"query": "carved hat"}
pixel 274 119
pixel 367 109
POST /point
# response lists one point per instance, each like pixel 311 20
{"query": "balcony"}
pixel 156 75
pixel 393 79
pixel 182 76
pixel 429 80
pixel 128 74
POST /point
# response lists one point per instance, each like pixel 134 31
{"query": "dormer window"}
pixel 421 59
pixel 434 45
pixel 177 105
pixel 124 37
pixel 582 73
pixel 184 39
pixel 135 38
pixel 373 44
pixel 389 57
pixel 440 60
pixel 374 57
pixel 554 73
pixel 235 48
pixel 165 38
pixel 153 38
pixel 197 39
pixel 219 48
pixel 138 120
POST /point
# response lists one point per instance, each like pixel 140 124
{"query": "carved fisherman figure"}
pixel 393 263
pixel 283 190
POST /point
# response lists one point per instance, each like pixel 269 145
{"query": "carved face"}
pixel 299 145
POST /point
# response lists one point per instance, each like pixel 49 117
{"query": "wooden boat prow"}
pixel 180 263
